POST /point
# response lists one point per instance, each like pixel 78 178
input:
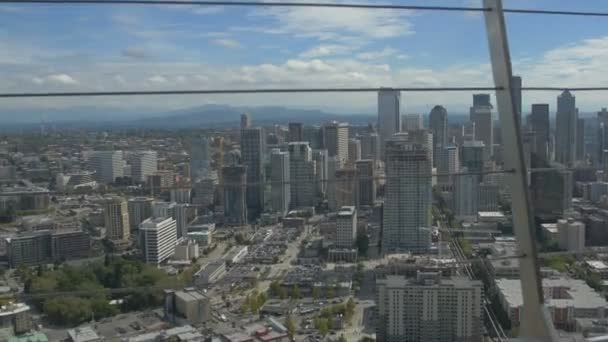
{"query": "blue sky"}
pixel 120 47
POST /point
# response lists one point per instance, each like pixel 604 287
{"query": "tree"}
pixel 290 325
pixel 316 293
pixel 342 339
pixel 330 292
pixel 67 310
pixel 362 243
pixel 323 326
pixel 295 292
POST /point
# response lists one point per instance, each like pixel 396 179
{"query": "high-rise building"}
pixel 472 156
pixel 538 122
pixel 366 182
pixel 354 150
pixel 571 235
pixel 346 188
pixel 235 185
pixel 177 211
pixel 158 237
pixel 143 164
pixel 245 120
pixel 565 129
pixel 428 308
pixel 487 199
pixel 580 139
pixel 389 118
pixel 602 137
pixel 411 122
pixel 280 181
pixel 466 195
pixel 320 158
pixel 252 154
pixel 346 227
pixel 203 190
pixel 116 218
pixel 200 157
pixel 448 163
pixel 438 125
pixel 314 136
pixel 423 137
pixel 333 165
pixel 140 209
pixel 407 199
pixel 108 165
pixel 180 195
pixel 335 138
pixel 370 146
pixel 296 132
pixel 481 116
pixel 551 191
pixel 302 175
pixel 516 85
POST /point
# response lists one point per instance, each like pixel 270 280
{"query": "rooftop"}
pixel 83 334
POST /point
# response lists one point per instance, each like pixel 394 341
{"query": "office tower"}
pixel 143 164
pixel 180 195
pixel 571 235
pixel 428 308
pixel 200 157
pixel 465 195
pixel 302 175
pixel 157 237
pixel 335 139
pixel 203 190
pixel 333 165
pixel 389 119
pixel 422 137
pixel 551 191
pixel 448 163
pixel 370 146
pixel 438 125
pixel 160 181
pixel 538 122
pixel 528 141
pixel 140 208
pixel 280 181
pixel 177 211
pixel 320 158
pixel 565 129
pixel 407 199
pixel 602 137
pixel 487 199
pixel 411 122
pixel 296 132
pixel 314 136
pixel 516 90
pixel 45 246
pixel 108 165
pixel 580 139
pixel 468 133
pixel 481 116
pixel 245 120
pixel 472 156
pixel 354 150
pixel 366 182
pixel 116 218
pixel 346 188
pixel 235 184
pixel 252 154
pixel 346 227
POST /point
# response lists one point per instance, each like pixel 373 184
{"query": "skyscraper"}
pixel 354 150
pixel 580 139
pixel 389 118
pixel 346 187
pixel 140 208
pixel 296 132
pixel 143 164
pixel 252 154
pixel 235 184
pixel 565 129
pixel 411 122
pixel 333 165
pixel 366 182
pixel 108 165
pixel 157 239
pixel 481 116
pixel 539 124
pixel 200 157
pixel 321 173
pixel 438 125
pixel 465 195
pixel 407 199
pixel 314 136
pixel 448 162
pixel 516 84
pixel 472 156
pixel 428 308
pixel 370 146
pixel 245 120
pixel 177 211
pixel 116 217
pixel 280 181
pixel 346 227
pixel 602 137
pixel 335 139
pixel 302 175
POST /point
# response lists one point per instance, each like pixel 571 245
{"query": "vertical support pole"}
pixel 535 322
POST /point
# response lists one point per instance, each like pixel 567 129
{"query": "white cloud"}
pixel 324 50
pixel 157 79
pixel 206 10
pixel 61 79
pixel 227 43
pixel 386 52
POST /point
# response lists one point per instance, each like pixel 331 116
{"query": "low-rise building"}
pixel 236 254
pixel 15 318
pixel 210 273
pixel 84 334
pixel 189 304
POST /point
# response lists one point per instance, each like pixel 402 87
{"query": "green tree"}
pixel 330 292
pixel 67 310
pixel 342 339
pixel 362 243
pixel 295 292
pixel 322 324
pixel 316 293
pixel 290 325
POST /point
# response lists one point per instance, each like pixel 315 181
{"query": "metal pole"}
pixel 535 322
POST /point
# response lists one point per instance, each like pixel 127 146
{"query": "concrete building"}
pixel 192 305
pixel 143 164
pixel 182 195
pixel 296 132
pixel 176 211
pixel 428 308
pixel 366 182
pixel 16 318
pixel 252 154
pixel 346 227
pixel 346 188
pixel 204 190
pixel 411 122
pixel 186 250
pixel 580 139
pixel 354 150
pixel 335 139
pixel 465 196
pixel 389 117
pixel 280 181
pixel 566 300
pixel 314 136
pixel 551 192
pixel 448 162
pixel 159 181
pixel 108 165
pixel 571 235
pixel 210 273
pixel 481 116
pixel 320 158
pixel 200 157
pixel 235 184
pixel 565 129
pixel 70 245
pixel 487 197
pixel 158 237
pixel 333 165
pixel 68 182
pixel 539 123
pixel 302 175
pixel 140 208
pixel 47 246
pixel 407 204
pixel 116 218
pixel 438 125
pixel 472 156
pixel 370 146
